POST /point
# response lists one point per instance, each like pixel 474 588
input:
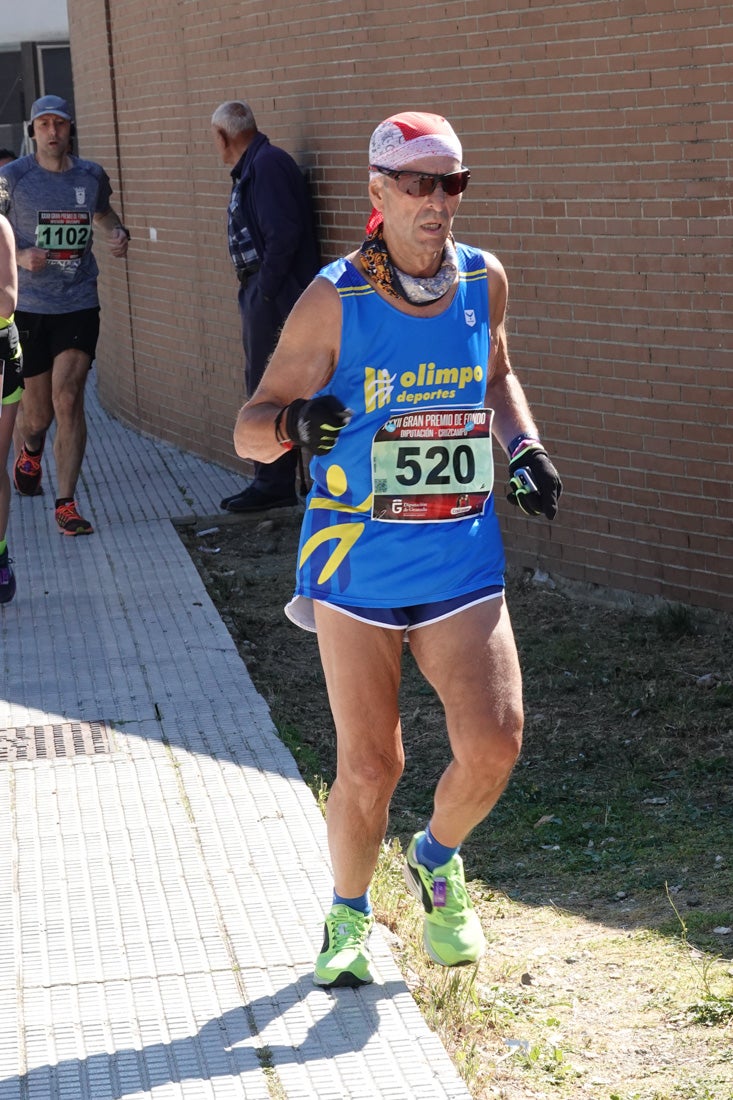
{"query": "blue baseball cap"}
pixel 51 105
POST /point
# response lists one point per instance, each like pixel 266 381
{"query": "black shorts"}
pixel 43 336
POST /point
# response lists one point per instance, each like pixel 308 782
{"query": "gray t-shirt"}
pixel 55 211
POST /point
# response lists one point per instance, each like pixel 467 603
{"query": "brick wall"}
pixel 599 139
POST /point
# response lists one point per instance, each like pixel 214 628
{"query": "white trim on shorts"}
pixel 300 611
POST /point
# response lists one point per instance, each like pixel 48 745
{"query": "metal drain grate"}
pixel 55 741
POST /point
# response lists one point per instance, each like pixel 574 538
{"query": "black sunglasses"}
pixel 420 184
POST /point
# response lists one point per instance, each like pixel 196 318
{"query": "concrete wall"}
pixel 599 139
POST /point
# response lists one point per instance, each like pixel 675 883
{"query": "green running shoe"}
pixel 344 957
pixel 452 932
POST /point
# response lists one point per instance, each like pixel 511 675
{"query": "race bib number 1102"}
pixel 64 234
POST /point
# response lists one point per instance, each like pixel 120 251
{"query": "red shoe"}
pixel 70 522
pixel 27 474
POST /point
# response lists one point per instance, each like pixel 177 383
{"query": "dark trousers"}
pixel 261 324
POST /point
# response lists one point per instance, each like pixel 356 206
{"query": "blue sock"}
pixel 360 904
pixel 430 852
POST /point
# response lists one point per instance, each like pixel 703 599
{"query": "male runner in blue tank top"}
pixel 393 371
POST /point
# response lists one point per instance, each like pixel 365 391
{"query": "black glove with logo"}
pixel 314 424
pixel 534 483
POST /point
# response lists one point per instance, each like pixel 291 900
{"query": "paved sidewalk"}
pixel 156 834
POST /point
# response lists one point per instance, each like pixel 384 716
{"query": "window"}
pixel 54 70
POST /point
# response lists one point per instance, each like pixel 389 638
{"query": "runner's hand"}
pixel 118 242
pixel 316 424
pixel 534 483
pixel 32 259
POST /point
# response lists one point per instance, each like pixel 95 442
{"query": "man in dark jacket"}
pixel 274 250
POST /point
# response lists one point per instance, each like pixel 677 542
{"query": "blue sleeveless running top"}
pixel 401 510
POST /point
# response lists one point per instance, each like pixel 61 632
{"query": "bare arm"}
pixel 8 270
pixel 504 393
pixel 302 362
pixel 117 236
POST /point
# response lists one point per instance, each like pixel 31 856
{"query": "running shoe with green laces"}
pixel 7 578
pixel 70 522
pixel 452 932
pixel 27 473
pixel 344 957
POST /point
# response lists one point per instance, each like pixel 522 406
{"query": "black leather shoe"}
pixel 252 499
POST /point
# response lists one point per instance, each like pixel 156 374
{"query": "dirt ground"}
pixel 604 875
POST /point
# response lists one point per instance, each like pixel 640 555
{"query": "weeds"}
pixel 711 1010
pixel 676 621
pixel 550 1061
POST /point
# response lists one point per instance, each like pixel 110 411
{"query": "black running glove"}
pixel 534 483
pixel 314 424
pixel 10 350
pixel 9 342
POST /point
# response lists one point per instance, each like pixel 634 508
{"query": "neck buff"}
pixel 398 284
pixel 396 143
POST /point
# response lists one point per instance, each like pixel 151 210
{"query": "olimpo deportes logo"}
pixel 426 384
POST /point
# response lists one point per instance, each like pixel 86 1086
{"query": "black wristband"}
pixel 523 437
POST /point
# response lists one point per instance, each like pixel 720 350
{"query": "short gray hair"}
pixel 234 117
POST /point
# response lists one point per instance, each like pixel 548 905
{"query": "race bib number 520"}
pixel 433 465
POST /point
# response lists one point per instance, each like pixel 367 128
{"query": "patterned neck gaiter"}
pixel 398 284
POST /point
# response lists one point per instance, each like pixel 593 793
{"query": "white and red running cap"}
pixel 411 135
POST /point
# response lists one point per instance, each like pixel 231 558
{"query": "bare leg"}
pixel 35 413
pixel 362 665
pixel 7 421
pixel 70 371
pixel 471 661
